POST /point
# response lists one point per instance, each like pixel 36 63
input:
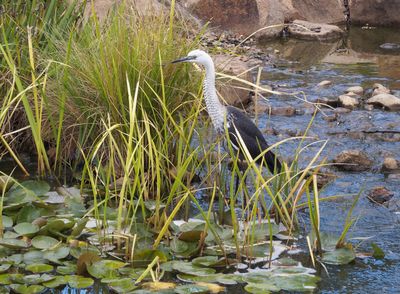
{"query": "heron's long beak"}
pixel 184 59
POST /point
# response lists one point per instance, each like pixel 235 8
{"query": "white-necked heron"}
pixel 236 121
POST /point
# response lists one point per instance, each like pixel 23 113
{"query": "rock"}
pixel 387 101
pixel 314 31
pixel 248 16
pixel 368 107
pixel 358 90
pixel 394 177
pixel 390 164
pixel 375 12
pixel 330 118
pixel 379 89
pixel 390 46
pixel 353 160
pixel 348 102
pixel 380 195
pixel 283 110
pixel 324 83
pixel 230 90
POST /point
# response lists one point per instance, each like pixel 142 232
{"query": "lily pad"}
pixel 56 282
pixel 189 268
pixel 105 268
pixel 4 267
pixel 33 256
pixel 13 243
pixel 67 269
pixel 44 242
pixel 158 286
pixel 339 256
pixel 24 289
pixel 56 254
pixel 37 187
pixel 7 221
pixel 191 288
pixel 79 282
pixel 122 285
pixel 26 229
pixel 39 268
pixel 144 257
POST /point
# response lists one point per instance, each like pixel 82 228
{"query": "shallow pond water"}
pixel 357 60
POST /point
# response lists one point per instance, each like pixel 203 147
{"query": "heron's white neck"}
pixel 215 108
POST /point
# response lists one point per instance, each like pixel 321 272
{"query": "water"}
pixel 357 60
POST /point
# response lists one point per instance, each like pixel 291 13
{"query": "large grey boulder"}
pixel 306 30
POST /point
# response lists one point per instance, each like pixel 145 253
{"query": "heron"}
pixel 231 118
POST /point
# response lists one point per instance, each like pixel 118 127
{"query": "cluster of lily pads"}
pixel 50 240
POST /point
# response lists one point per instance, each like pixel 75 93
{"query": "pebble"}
pixel 355 89
pixel 380 195
pixel 390 164
pixel 388 101
pixel 353 160
pixel 348 101
pixel 324 83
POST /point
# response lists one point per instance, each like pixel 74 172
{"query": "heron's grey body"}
pixel 238 124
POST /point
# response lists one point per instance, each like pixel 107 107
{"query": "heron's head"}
pixel 196 56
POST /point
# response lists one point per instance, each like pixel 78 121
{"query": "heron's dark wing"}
pixel 251 136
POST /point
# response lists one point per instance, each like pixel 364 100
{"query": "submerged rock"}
pixel 390 164
pixel 324 83
pixel 388 101
pixel 380 195
pixel 358 90
pixel 390 46
pixel 353 160
pixel 379 89
pixel 283 110
pixel 306 30
pixel 348 101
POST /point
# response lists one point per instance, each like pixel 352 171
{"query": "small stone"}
pixel 324 83
pixel 395 177
pixel 352 94
pixel 388 101
pixel 353 160
pixel 355 89
pixel 283 110
pixel 331 118
pixel 380 195
pixel 368 107
pixel 348 102
pixel 390 164
pixel 379 89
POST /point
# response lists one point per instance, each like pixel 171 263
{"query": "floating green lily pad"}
pixel 13 243
pixel 79 282
pixel 67 269
pixel 339 256
pixel 26 229
pixel 24 289
pixel 4 267
pixel 191 288
pixel 44 242
pixel 33 256
pixel 39 268
pixel 122 285
pixel 7 221
pixel 189 268
pixel 105 268
pixel 56 254
pixel 56 282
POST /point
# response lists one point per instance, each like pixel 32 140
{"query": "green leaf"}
pixel 122 285
pixel 37 187
pixel 189 268
pixel 4 267
pixel 7 221
pixel 23 289
pixel 339 256
pixel 13 243
pixel 39 268
pixel 26 229
pixel 56 254
pixel 79 282
pixel 105 268
pixel 44 242
pixel 56 282
pixel 378 252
